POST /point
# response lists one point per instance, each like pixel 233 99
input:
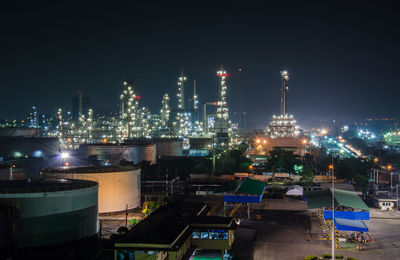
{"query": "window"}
pixel 219 234
pixel 196 234
pixel 204 235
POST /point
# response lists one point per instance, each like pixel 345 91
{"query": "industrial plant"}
pixel 135 121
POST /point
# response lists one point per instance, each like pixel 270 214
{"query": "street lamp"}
pixel 64 155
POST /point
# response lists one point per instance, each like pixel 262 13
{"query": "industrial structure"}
pixel 284 125
pixel 44 204
pixel 119 187
pixel 133 121
pixel 113 154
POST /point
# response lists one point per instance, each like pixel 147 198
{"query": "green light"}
pixel 17 154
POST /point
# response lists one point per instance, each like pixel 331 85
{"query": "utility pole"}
pixel 397 196
pixel 213 156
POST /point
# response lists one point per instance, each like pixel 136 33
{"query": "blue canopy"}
pixel 350 225
pixel 353 215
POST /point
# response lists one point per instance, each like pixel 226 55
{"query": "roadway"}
pixel 286 230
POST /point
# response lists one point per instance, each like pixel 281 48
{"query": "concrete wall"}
pixel 116 189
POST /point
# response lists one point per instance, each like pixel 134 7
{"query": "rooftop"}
pixel 99 169
pixel 164 225
pixel 323 199
pixel 250 186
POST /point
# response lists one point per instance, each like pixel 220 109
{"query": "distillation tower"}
pixel 284 125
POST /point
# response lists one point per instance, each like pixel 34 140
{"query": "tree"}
pixel 282 161
pixel 307 176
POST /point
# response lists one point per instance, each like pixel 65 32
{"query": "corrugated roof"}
pixel 323 198
pixel 250 186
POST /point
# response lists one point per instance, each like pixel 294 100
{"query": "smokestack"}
pixel 284 90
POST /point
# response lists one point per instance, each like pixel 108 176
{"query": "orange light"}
pixel 69 140
pixel 251 167
pixel 330 166
pixel 304 141
pixel 104 140
pixel 389 167
pixel 66 164
pixel 376 160
pixel 258 141
pixel 264 141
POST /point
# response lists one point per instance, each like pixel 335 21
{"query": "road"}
pixel 289 232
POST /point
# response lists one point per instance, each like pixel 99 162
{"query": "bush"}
pixel 352 258
pixel 329 256
pixel 311 257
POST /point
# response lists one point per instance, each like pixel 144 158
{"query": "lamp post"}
pixel 389 168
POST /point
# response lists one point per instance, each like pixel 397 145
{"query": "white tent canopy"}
pixel 295 190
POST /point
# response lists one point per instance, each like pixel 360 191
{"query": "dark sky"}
pixel 343 57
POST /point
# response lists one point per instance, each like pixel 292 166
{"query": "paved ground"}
pixel 282 229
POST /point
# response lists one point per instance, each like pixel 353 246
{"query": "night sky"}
pixel 343 58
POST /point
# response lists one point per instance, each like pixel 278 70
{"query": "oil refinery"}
pixel 135 121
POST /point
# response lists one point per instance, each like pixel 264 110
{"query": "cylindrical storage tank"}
pixel 119 187
pixel 169 147
pixel 8 232
pixel 140 152
pixel 52 211
pixel 113 154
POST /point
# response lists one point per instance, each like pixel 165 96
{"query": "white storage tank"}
pixel 52 211
pixel 119 187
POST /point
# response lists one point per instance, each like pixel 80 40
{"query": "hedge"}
pixel 311 257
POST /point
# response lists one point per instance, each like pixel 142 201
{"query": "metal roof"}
pixel 350 225
pixel 323 199
pixel 250 186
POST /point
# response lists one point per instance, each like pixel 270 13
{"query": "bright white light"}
pixel 64 155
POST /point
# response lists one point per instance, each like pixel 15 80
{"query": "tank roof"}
pixel 100 169
pixel 43 185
